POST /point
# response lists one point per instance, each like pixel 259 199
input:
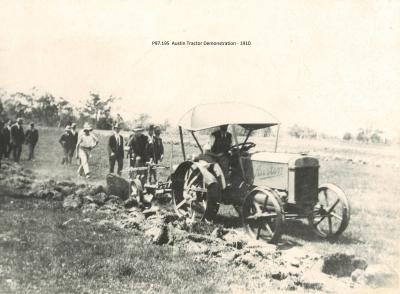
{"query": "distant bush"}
pixel 347 136
pixel 367 135
pixel 302 132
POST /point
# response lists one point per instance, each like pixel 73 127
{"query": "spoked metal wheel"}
pixel 196 200
pixel 263 216
pixel 331 214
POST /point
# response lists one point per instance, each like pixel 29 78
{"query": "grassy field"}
pixel 44 256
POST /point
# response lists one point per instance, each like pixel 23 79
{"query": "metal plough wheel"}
pixel 196 201
pixel 331 214
pixel 262 216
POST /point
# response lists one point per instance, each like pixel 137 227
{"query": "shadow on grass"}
pixel 300 230
pixel 228 221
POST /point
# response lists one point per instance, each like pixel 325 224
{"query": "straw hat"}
pixel 138 129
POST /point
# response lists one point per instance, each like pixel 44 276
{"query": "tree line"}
pixel 48 110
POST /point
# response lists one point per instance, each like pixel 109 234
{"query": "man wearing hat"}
pixel 6 132
pixel 31 139
pixel 17 138
pixel 2 142
pixel 116 149
pixel 86 142
pixel 157 151
pixel 66 141
pixel 138 148
pixel 74 140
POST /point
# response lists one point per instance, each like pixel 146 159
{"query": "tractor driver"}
pixel 218 146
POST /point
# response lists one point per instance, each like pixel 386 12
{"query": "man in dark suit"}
pixel 6 131
pixel 218 147
pixel 2 142
pixel 66 141
pixel 138 148
pixel 223 141
pixel 116 150
pixel 74 134
pixel 17 139
pixel 31 139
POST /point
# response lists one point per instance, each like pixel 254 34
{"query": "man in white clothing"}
pixel 86 142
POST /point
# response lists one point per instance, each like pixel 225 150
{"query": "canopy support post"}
pixel 197 142
pixel 277 136
pixel 182 145
pixel 240 159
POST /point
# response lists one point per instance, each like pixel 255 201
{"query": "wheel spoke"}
pixel 333 206
pixel 193 179
pixel 264 215
pixel 322 218
pixel 330 224
pixel 336 216
pixel 181 203
pixel 269 229
pixel 258 231
pixel 326 197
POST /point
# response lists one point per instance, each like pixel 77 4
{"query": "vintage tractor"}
pixel 265 187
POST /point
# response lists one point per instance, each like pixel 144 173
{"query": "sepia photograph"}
pixel 182 146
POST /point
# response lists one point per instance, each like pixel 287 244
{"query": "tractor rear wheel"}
pixel 196 202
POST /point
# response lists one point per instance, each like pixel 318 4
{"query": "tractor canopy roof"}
pixel 205 116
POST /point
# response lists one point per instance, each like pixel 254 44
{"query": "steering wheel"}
pixel 242 146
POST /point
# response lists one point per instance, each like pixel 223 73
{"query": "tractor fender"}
pixel 265 190
pixel 180 171
pixel 178 177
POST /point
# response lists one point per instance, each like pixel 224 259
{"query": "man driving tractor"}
pixel 217 149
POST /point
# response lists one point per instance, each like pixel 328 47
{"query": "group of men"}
pixel 142 148
pixel 82 143
pixel 12 137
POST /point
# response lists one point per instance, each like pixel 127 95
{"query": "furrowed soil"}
pixel 45 248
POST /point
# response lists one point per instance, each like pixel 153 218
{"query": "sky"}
pixel 330 65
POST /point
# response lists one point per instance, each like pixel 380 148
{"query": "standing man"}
pixel 31 139
pixel 158 151
pixel 138 147
pixel 150 143
pixel 6 131
pixel 17 139
pixel 67 144
pixel 86 142
pixel 116 150
pixel 74 138
pixel 2 142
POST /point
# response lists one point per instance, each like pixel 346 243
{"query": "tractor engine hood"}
pixel 293 160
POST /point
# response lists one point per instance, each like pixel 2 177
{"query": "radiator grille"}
pixel 306 185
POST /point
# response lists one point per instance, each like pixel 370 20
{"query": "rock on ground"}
pixel 72 202
pixel 342 265
pixel 118 186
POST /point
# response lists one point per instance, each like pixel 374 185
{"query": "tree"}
pixel 19 105
pixel 45 110
pixel 98 111
pixel 65 112
pixel 363 135
pixel 376 136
